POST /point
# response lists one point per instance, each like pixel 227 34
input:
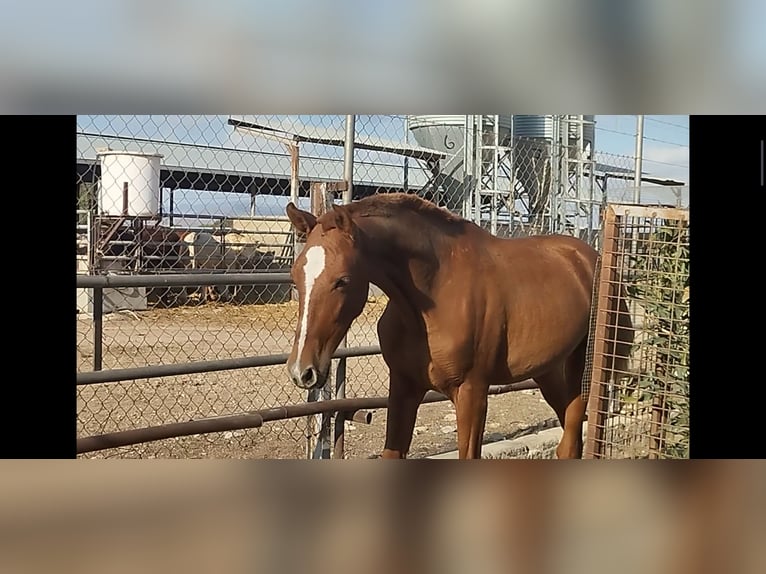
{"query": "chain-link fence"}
pixel 641 409
pixel 192 194
pixel 164 195
pixel 206 195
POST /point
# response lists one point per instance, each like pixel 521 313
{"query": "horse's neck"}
pixel 402 259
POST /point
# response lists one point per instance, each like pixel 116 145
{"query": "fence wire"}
pixel 641 409
pixel 219 207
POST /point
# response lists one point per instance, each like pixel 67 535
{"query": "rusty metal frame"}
pixel 648 211
pixel 597 403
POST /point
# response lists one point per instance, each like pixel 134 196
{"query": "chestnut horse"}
pixel 466 309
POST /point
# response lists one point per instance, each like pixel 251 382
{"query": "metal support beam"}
pixel 339 428
pixel 639 158
pixel 318 444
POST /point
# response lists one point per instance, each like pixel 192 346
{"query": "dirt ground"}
pixel 219 331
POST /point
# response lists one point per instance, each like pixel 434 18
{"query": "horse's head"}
pixel 332 291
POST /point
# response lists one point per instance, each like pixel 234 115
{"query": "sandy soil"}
pixel 218 331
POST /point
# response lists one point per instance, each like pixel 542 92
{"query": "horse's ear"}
pixel 343 219
pixel 303 221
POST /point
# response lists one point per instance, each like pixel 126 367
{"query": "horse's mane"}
pixel 393 204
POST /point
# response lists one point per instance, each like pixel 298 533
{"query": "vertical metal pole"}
pixel 125 198
pixel 579 193
pixel 592 210
pixel 321 202
pixel 339 431
pixel 340 373
pixel 294 172
pixel 477 136
pixel 511 158
pixel 294 188
pixel 555 175
pixel 563 175
pixel 98 327
pixel 467 169
pixel 639 158
pixel 495 168
pixel 406 178
pixel 348 159
pixel 171 207
pixel 634 246
pixel 93 233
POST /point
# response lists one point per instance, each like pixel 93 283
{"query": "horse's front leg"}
pixel 404 398
pixel 470 402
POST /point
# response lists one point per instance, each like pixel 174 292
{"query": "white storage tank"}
pixel 141 171
pixel 445 133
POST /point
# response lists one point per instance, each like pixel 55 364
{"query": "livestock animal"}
pixel 466 309
pixel 237 252
pixel 241 251
pixel 205 253
pixel 163 248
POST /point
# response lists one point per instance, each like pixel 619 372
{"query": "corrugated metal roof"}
pixel 335 137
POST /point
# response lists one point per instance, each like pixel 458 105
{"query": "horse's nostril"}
pixel 309 377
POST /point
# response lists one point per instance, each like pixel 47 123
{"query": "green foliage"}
pixel 659 282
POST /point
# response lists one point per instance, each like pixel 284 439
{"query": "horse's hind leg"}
pixel 561 388
pixel 551 387
pixel 571 443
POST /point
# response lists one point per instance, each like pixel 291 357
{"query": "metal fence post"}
pixel 98 327
pixel 639 159
pixel 340 373
pixel 598 391
pixel 321 201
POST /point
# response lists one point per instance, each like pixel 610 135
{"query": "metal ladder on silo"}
pixel 576 198
pixel 492 158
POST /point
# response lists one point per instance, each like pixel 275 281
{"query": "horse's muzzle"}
pixel 309 378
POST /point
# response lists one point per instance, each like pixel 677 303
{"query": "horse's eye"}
pixel 342 282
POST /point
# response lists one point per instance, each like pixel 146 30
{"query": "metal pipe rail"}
pixel 130 374
pixel 181 280
pixel 255 419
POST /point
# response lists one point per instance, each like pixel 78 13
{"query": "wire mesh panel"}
pixel 639 394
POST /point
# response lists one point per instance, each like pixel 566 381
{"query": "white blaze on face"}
pixel 312 269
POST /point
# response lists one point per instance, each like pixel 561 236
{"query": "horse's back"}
pixel 561 262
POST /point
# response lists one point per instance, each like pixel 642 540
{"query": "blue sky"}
pixel 666 142
pixel 666 137
pixel 666 145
